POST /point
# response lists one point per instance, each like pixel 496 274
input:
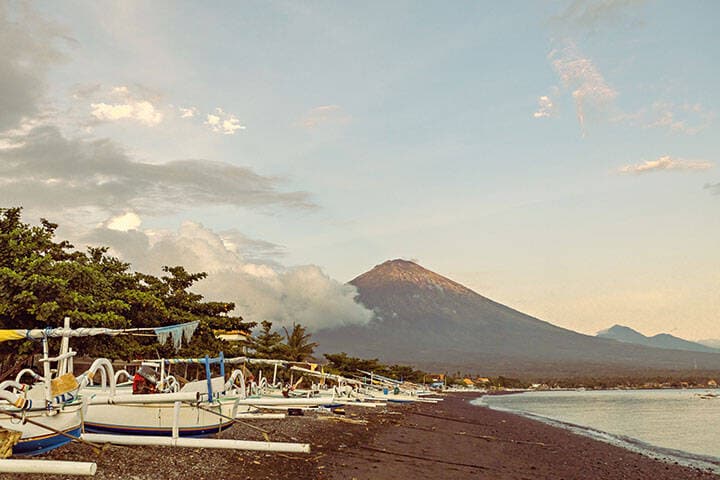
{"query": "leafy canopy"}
pixel 42 281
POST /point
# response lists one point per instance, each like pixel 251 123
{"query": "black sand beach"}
pixel 450 440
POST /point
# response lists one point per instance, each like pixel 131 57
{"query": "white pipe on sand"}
pixel 354 403
pixel 54 467
pixel 197 443
pixel 260 416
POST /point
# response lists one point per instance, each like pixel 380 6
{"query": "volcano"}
pixel 430 321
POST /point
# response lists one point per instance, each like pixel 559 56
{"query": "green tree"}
pixel 266 344
pixel 297 346
pixel 343 364
pixel 42 281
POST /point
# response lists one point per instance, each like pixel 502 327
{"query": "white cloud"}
pixel 666 163
pixel 580 75
pixel 188 112
pixel 546 107
pixel 324 114
pixel 223 122
pixel 125 222
pixel 261 290
pixel 142 111
pixel 137 103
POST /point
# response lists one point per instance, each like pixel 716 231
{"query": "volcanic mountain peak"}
pixel 406 272
pixel 430 321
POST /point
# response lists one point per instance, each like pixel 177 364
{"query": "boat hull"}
pixel 43 443
pixel 157 419
pixel 36 440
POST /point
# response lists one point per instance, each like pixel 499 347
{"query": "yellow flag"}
pixel 6 335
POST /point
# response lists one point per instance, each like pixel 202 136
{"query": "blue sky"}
pixel 559 157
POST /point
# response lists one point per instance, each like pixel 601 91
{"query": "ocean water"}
pixel 677 425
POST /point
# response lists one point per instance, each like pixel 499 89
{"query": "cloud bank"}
pixel 261 289
pixel 95 181
pixel 44 169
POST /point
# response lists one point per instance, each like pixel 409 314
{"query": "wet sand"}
pixel 449 440
pixel 475 442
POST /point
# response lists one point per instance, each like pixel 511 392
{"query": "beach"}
pixel 450 440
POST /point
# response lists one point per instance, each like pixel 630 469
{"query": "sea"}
pixel 673 425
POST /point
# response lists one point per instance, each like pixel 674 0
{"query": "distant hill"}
pixel 425 319
pixel 710 342
pixel 661 340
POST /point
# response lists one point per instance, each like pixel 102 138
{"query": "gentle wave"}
pixel 668 455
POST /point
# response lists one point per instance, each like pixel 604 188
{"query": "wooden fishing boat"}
pixel 48 413
pixel 197 409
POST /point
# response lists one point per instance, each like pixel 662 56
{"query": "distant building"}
pixel 712 383
pixel 231 335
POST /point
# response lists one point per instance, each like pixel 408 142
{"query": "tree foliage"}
pixel 42 281
pixel 297 346
pixel 266 343
pixel 343 364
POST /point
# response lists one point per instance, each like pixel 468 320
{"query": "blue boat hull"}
pixel 38 445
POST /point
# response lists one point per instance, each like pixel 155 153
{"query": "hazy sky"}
pixel 559 157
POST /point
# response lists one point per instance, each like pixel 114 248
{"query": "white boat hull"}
pixel 36 439
pixel 157 419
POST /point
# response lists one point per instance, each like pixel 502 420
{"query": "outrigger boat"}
pixel 47 414
pixel 59 402
pixel 177 415
pixel 197 408
pixel 204 407
pixel 388 389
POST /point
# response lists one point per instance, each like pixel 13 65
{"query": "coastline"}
pixel 667 455
pixel 451 440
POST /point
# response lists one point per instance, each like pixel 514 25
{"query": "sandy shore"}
pixel 450 440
